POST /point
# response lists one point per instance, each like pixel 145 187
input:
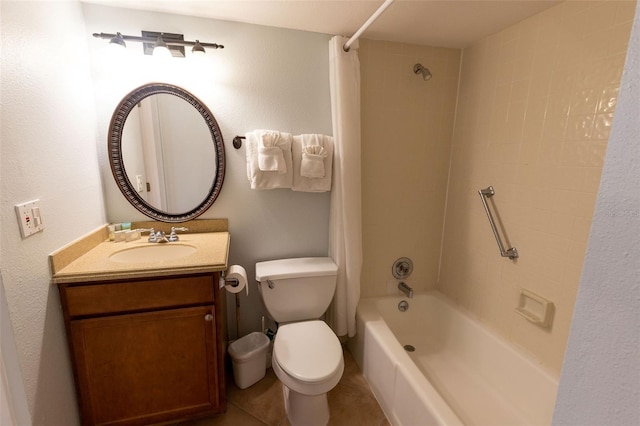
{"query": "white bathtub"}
pixel 459 373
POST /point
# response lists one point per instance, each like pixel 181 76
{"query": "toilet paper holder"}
pixel 233 281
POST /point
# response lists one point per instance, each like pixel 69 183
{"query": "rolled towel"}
pixel 298 149
pixel 271 159
pixel 266 180
pixel 271 149
pixel 312 164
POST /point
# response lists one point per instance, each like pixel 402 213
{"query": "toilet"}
pixel 307 355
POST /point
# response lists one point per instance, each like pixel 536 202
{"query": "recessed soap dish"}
pixel 535 308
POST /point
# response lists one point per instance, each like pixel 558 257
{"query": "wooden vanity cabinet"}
pixel 146 351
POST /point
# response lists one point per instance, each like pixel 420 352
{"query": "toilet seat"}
pixel 309 354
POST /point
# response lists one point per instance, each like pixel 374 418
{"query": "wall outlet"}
pixel 29 218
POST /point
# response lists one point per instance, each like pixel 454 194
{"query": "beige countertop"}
pixel 211 255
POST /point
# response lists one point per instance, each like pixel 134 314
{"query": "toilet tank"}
pixel 297 289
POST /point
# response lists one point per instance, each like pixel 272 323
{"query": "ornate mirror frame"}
pixel 116 127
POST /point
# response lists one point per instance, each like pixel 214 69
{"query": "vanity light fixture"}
pixel 153 42
pixel 197 48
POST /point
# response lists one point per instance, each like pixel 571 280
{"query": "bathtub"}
pixel 460 373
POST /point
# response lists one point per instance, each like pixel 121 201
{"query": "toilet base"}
pixel 305 410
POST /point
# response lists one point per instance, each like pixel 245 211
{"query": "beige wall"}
pixel 49 152
pixel 535 108
pixel 406 142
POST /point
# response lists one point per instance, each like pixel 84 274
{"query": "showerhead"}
pixel 419 69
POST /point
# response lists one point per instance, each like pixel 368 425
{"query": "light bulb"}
pixel 161 49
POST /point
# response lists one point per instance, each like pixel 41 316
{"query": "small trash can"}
pixel 249 358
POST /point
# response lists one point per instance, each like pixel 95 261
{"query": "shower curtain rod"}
pixel 364 26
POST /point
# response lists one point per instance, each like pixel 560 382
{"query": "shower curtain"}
pixel 345 233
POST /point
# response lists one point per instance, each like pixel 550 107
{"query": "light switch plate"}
pixel 139 183
pixel 29 218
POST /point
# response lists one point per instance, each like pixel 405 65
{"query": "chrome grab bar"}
pixel 511 253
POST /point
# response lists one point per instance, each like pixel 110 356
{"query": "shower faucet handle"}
pixel 402 268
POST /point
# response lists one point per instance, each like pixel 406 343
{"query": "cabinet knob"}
pixel 208 317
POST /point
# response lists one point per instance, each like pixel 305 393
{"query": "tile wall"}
pixel 407 128
pixel 535 108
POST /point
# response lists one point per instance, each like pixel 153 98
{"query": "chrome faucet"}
pixel 158 237
pixel 403 287
pixel 173 236
pixel 161 237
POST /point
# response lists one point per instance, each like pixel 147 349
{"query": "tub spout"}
pixel 403 287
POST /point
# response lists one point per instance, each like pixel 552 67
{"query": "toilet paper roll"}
pixel 236 272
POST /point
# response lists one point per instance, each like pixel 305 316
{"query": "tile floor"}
pixel 351 403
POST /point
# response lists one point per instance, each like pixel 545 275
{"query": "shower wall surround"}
pixel 407 125
pixel 534 110
pixel 535 107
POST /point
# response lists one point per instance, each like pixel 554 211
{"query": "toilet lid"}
pixel 308 351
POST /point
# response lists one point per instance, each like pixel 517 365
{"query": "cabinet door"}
pixel 148 367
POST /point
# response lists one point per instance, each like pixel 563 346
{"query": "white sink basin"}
pixel 152 253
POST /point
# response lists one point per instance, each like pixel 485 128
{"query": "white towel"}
pixel 271 148
pixel 267 179
pixel 315 147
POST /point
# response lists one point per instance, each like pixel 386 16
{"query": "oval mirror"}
pixel 166 152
